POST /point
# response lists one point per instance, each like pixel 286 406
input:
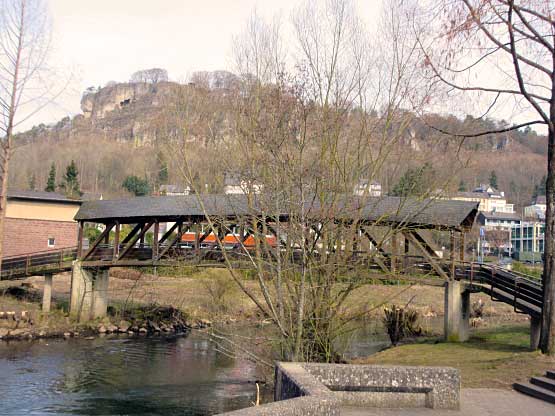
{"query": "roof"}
pixel 501 216
pixel 429 213
pixel 540 199
pixel 42 196
pixel 479 195
pixel 174 189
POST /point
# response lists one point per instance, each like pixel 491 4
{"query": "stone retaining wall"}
pixel 321 389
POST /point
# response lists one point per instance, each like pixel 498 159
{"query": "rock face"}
pixel 97 104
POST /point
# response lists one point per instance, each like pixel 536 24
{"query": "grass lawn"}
pixel 493 357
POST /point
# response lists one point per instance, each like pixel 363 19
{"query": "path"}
pixel 474 402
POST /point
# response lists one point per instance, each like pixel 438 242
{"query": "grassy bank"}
pixel 493 357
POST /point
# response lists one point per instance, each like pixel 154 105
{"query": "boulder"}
pixel 102 329
pixel 111 328
pixel 4 332
pixel 19 332
pixel 124 326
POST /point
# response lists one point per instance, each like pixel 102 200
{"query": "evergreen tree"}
pixel 462 186
pixel 493 179
pixel 51 182
pixel 414 182
pixel 136 185
pixel 70 183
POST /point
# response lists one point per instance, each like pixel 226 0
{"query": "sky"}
pixel 94 42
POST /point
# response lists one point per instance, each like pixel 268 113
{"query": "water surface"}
pixel 120 376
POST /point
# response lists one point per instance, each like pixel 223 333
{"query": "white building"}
pixel 537 209
pixel 174 190
pixel 234 184
pixel 490 199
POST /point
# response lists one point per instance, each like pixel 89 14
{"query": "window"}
pixel 51 241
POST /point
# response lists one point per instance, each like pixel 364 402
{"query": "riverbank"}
pixel 492 358
pixel 208 296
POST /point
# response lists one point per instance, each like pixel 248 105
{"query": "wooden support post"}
pixel 462 247
pixel 107 237
pixel 197 240
pixel 394 252
pixel 80 233
pixel 155 240
pixel 452 255
pixel 115 252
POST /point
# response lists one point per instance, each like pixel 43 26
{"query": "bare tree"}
pixel 301 137
pixel 513 42
pixel 150 76
pixel 24 45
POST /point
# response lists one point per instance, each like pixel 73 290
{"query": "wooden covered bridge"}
pixel 205 230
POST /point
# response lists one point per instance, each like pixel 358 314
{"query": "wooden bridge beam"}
pixel 132 233
pixel 134 239
pixel 176 239
pixel 101 237
pixel 425 250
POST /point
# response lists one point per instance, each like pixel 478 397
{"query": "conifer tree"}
pixel 493 179
pixel 70 183
pixel 51 182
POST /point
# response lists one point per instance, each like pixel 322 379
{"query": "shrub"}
pixel 401 322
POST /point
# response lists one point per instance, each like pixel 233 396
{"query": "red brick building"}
pixel 39 221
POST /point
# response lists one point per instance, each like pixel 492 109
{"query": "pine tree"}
pixel 493 179
pixel 462 186
pixel 51 182
pixel 70 182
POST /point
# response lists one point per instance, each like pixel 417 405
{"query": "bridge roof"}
pixel 386 210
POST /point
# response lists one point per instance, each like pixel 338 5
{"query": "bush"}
pixel 401 322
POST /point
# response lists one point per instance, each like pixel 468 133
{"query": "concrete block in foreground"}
pixel 322 389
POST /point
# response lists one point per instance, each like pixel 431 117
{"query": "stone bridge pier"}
pixel 457 315
pixel 89 292
pixel 457 311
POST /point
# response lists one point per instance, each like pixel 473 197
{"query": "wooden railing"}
pixel 51 261
pixel 523 292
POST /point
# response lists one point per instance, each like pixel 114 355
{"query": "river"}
pixel 183 375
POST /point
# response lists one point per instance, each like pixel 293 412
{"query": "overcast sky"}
pixel 103 40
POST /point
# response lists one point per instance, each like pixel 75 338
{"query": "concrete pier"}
pixel 89 292
pixel 457 311
pixel 47 293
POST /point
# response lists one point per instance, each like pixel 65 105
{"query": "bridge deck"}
pixel 522 292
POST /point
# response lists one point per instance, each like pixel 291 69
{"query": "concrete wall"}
pixel 321 389
pixel 23 236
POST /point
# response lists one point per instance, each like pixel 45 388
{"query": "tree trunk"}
pixel 547 341
pixel 3 200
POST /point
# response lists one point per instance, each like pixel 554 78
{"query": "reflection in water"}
pixel 154 376
pixel 138 376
